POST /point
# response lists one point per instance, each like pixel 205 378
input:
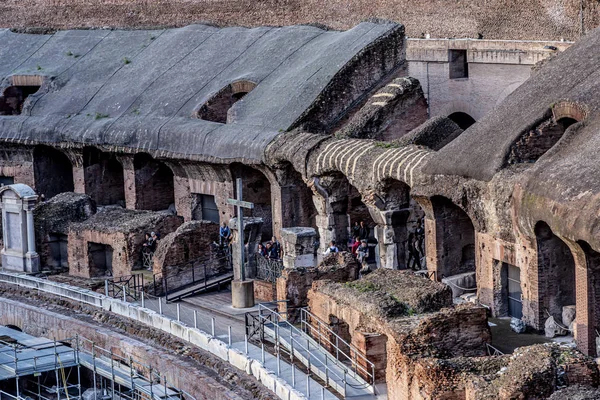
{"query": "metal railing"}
pixel 190 273
pixel 328 339
pixel 127 286
pixel 300 346
pixel 492 351
pixel 268 269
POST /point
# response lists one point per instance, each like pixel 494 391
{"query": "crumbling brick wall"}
pixel 294 283
pixel 52 219
pixel 123 231
pixel 189 248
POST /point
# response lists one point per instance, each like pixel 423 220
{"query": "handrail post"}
pixel 106 287
pixel 143 302
pixel 178 312
pixel 124 294
pixel 196 319
pixel 160 306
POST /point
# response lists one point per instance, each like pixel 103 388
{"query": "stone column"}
pixel 392 235
pixel 584 334
pixel 298 249
pixel 183 197
pixel 332 221
pixel 76 159
pixel 242 292
pixel 128 181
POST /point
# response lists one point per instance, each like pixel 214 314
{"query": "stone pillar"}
pixel 242 292
pixel 431 248
pixel 76 159
pixel 298 247
pixel 128 181
pixel 19 252
pixel 332 221
pixel 392 235
pixel 183 197
pixel 584 334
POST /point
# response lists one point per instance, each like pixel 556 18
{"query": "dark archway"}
pixel 104 180
pixel 256 189
pixel 53 171
pixel 454 238
pixel 154 188
pixel 216 109
pixel 556 273
pixel 462 119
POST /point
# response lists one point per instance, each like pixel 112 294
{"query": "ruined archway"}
pixel 104 181
pixel 556 273
pixel 453 239
pixel 463 120
pixel 256 189
pixel 154 188
pixel 297 207
pixel 341 208
pixel 53 171
pixel 217 108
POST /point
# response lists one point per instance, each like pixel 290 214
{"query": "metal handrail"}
pixel 358 353
pixel 492 351
pixel 279 319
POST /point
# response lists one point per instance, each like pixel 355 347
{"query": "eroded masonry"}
pixel 477 203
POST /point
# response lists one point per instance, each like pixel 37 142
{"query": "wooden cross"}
pixel 240 204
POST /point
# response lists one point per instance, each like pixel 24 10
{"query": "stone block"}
pixel 239 360
pixel 180 330
pixel 199 338
pixel 242 294
pixel 218 348
pixel 283 390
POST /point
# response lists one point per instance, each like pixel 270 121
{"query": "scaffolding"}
pixel 35 368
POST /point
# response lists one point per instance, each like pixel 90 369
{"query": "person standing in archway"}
pixel 363 232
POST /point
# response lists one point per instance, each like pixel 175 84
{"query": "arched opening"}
pixel 53 171
pixel 535 142
pixel 256 189
pixel 454 238
pixel 13 98
pixel 217 109
pixel 154 188
pixel 297 205
pixel 556 273
pixel 462 119
pixel 104 180
pixel 343 214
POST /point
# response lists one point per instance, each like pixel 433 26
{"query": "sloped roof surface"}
pixel 481 150
pixel 140 88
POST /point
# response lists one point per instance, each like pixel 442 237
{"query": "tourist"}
pixel 154 241
pixel 261 250
pixel 147 243
pixel 420 237
pixel 276 246
pixel 331 249
pixel 362 255
pixel 355 245
pixel 355 229
pixel 363 232
pixel 413 253
pixel 268 250
pixel 224 234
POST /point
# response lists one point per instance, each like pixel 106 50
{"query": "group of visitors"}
pixel 150 242
pixel 271 249
pixel 148 249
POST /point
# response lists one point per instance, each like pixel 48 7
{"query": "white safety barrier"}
pixel 148 317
